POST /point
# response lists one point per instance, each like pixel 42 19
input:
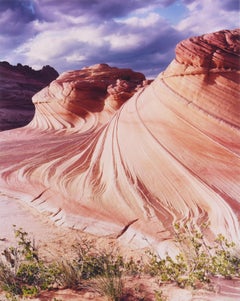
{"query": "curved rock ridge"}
pixel 97 160
pixel 84 98
pixel 214 60
pixel 221 50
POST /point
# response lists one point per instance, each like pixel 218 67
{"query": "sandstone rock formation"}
pixel 17 86
pixel 84 99
pixel 97 158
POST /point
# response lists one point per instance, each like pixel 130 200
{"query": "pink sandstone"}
pixel 109 154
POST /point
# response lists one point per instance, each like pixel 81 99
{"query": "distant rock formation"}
pixel 109 154
pixel 17 86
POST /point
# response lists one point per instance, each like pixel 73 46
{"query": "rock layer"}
pixel 100 160
pixel 84 98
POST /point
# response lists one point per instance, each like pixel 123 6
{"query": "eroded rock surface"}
pixel 111 155
pixel 85 98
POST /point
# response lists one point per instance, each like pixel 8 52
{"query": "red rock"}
pixel 218 50
pixel 83 98
pixel 131 167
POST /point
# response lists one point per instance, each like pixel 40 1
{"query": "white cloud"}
pixel 87 34
pixel 123 42
pixel 207 16
pixel 51 44
pixel 75 57
pixel 142 21
pixel 43 47
pixel 136 34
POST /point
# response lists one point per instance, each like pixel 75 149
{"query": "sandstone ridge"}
pixel 111 155
pixel 84 98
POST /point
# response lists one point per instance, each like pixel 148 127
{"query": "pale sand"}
pixel 54 239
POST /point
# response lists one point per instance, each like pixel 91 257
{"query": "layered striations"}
pixel 84 99
pixel 108 154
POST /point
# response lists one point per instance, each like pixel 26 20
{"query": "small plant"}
pixel 93 268
pixel 21 271
pixel 110 282
pixel 70 275
pixel 225 261
pixel 24 274
pixel 111 286
pixel 197 261
pixel 133 267
pixel 159 296
pixel 103 267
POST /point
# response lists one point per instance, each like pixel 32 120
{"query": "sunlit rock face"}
pixel 17 86
pixel 109 154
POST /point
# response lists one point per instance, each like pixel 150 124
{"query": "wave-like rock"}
pixel 110 155
pixel 84 99
pixel 17 86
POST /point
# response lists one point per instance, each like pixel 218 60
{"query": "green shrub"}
pixel 21 271
pixel 110 280
pixel 197 261
pixel 94 269
pixel 111 286
pixel 159 296
pixel 133 268
pixel 70 275
pixel 103 269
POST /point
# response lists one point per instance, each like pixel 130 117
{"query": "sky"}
pixel 136 34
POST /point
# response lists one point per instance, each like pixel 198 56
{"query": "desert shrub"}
pixel 111 286
pixel 70 275
pixel 197 261
pixel 133 267
pixel 110 281
pixel 225 260
pixel 21 271
pixel 95 269
pixel 104 269
pixel 89 260
pixel 159 296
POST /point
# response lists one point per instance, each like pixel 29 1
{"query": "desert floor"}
pixel 56 242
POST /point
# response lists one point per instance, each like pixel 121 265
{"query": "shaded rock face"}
pixel 17 86
pixel 114 156
pixel 84 98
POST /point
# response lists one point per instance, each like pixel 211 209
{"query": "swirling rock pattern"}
pixel 109 154
pixel 84 99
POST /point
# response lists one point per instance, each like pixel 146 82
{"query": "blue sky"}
pixel 136 34
pixel 173 13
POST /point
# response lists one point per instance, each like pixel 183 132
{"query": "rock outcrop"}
pixel 84 98
pixel 17 86
pixel 107 154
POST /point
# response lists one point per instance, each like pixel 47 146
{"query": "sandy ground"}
pixel 53 239
pixel 55 242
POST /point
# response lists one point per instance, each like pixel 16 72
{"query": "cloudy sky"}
pixel 137 34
